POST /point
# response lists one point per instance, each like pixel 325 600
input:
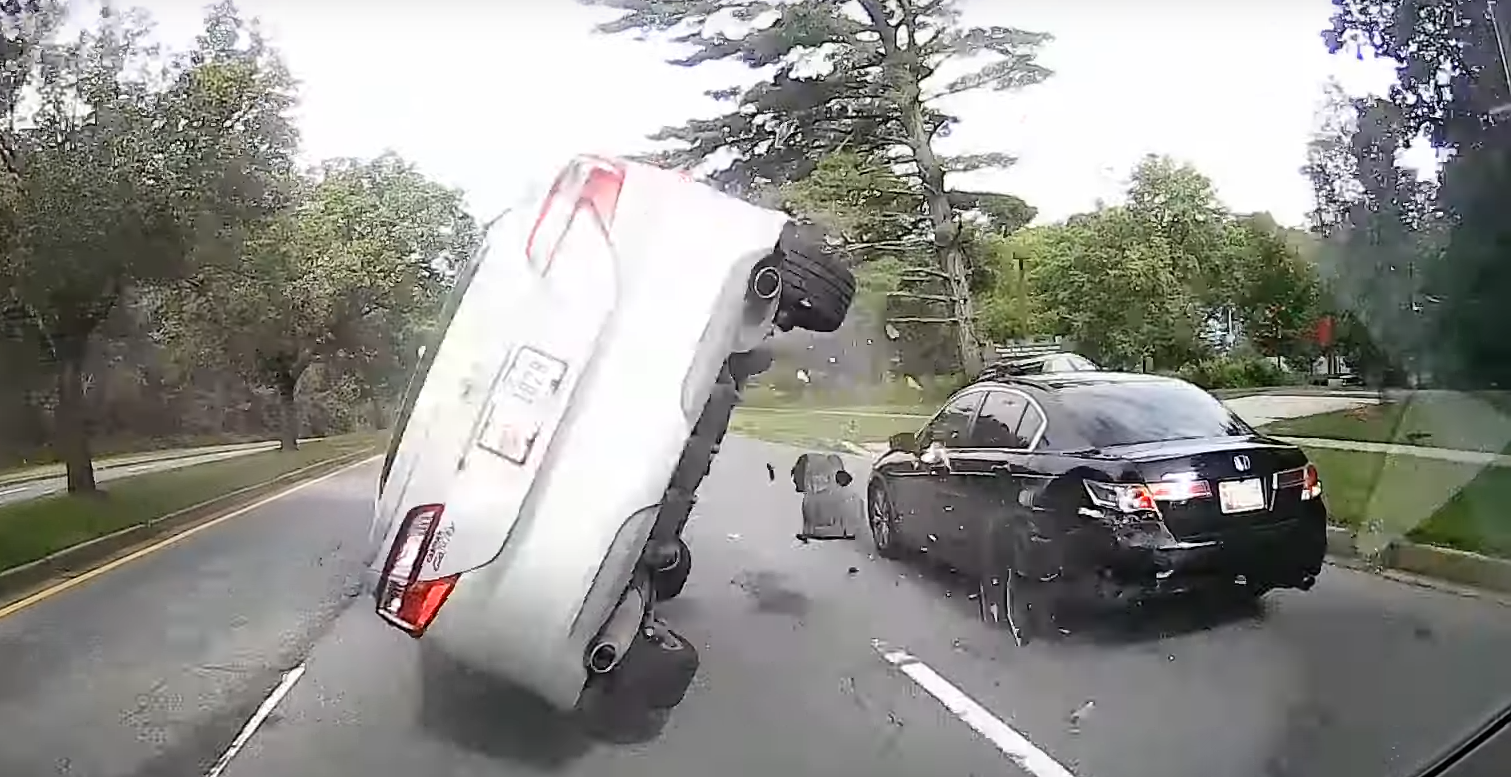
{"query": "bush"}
pixel 1235 372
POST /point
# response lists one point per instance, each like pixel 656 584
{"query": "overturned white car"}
pixel 532 501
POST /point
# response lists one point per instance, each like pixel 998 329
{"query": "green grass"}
pixel 33 529
pixel 1436 502
pixel 820 429
pixel 1440 419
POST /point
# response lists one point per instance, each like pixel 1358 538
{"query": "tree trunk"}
pixel 375 413
pixel 946 245
pixel 288 439
pixel 905 77
pixel 72 422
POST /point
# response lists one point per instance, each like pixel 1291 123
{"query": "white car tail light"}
pixel 403 600
pixel 589 185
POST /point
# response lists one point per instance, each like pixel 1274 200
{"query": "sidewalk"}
pixel 48 471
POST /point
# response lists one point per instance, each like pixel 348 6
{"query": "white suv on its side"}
pixel 531 504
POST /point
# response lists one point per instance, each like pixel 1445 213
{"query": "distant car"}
pixel 620 311
pixel 1067 488
pixel 1038 365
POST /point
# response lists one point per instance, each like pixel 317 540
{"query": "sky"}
pixel 490 97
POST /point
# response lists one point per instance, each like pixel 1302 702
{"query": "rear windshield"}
pixel 1111 414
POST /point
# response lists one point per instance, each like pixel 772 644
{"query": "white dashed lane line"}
pixel 263 711
pixel 1012 744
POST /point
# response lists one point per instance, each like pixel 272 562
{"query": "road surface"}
pixel 11 493
pixel 153 668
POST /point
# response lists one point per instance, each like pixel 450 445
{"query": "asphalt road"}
pixel 153 668
pixel 32 489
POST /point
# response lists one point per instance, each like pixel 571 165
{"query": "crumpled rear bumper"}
pixel 1282 555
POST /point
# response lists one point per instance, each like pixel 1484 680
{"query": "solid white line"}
pixel 1012 744
pixel 284 686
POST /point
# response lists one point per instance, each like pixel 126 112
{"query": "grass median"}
pixel 36 528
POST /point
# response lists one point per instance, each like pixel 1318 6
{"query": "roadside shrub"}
pixel 1235 372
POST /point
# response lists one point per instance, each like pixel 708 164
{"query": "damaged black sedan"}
pixel 1076 488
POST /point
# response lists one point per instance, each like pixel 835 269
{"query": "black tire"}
pixel 881 515
pixel 817 286
pixel 668 582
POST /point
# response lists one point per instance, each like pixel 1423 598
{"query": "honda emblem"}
pixel 1241 462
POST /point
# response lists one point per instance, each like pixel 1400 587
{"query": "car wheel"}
pixel 1017 604
pixel 817 286
pixel 882 516
pixel 668 581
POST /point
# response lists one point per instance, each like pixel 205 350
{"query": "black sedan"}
pixel 1068 488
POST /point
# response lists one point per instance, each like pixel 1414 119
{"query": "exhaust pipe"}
pixel 766 283
pixel 619 630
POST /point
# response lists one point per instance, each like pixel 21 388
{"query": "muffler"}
pixel 613 641
pixel 765 283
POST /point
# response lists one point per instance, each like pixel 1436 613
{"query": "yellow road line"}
pixel 54 590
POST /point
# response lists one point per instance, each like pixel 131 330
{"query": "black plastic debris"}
pixel 770 472
pixel 831 510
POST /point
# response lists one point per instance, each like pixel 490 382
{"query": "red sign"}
pixel 1325 331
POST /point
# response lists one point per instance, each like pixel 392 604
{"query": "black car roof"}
pixel 1051 381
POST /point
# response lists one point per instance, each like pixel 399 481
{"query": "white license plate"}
pixel 514 417
pixel 1241 496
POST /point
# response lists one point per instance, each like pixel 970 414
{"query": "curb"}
pixel 80 558
pixel 1428 561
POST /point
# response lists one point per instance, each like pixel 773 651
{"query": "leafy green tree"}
pixel 128 168
pixel 1277 293
pixel 346 279
pixel 852 75
pixel 1450 87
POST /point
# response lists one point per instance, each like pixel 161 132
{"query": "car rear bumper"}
pixel 1282 555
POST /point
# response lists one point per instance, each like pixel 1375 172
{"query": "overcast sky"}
pixel 485 96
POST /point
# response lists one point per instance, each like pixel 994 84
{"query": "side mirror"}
pixel 906 442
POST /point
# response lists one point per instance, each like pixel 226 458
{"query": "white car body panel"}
pixel 643 321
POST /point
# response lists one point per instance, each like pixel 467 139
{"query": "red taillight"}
pixel 589 184
pixel 403 600
pixel 1123 497
pixel 1180 490
pixel 1311 484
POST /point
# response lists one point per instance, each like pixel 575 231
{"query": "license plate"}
pixel 1241 496
pixel 514 417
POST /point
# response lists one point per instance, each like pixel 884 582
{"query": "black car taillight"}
pixel 1305 478
pixel 403 600
pixel 1132 498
